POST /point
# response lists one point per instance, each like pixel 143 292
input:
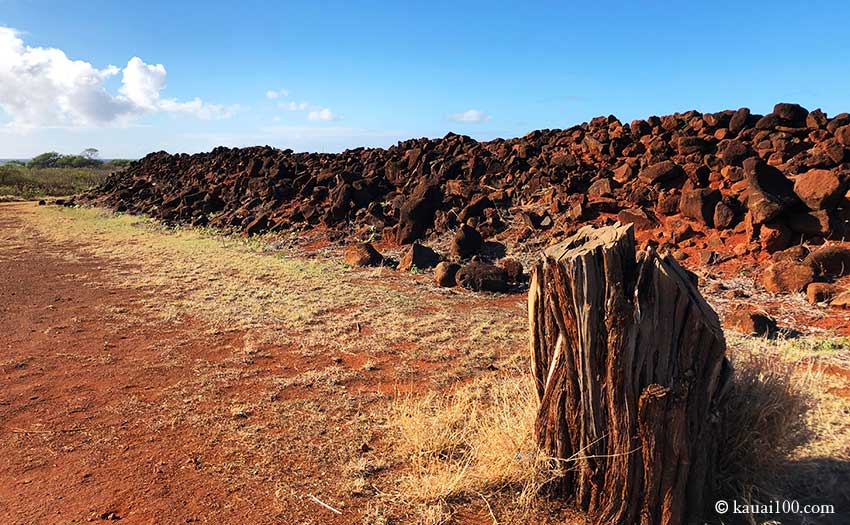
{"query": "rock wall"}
pixel 769 181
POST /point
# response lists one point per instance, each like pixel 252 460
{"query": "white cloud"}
pixel 42 87
pixel 323 114
pixel 272 94
pixel 294 106
pixel 472 116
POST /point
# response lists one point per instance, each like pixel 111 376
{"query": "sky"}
pixel 129 78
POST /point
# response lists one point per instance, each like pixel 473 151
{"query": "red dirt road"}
pixel 82 435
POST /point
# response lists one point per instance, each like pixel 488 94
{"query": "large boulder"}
pixel 417 213
pixel 819 189
pixel 362 254
pixel 482 277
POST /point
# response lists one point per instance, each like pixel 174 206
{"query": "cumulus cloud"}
pixel 275 94
pixel 471 116
pixel 42 87
pixel 323 114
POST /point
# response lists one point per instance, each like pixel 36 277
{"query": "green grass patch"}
pixel 33 183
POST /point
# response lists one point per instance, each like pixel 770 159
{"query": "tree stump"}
pixel 630 369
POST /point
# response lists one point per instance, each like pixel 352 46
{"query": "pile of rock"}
pixel 727 184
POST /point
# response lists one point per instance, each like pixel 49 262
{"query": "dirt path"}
pixel 142 383
pixel 82 424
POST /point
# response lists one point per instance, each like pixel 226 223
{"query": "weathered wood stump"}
pixel 630 368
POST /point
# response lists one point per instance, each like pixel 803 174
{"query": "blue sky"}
pixel 371 73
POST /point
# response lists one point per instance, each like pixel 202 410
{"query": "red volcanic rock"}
pixel 787 276
pixel 819 189
pixel 362 254
pixel 699 204
pixel 659 172
pixel 786 168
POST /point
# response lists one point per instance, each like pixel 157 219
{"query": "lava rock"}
pixel 362 254
pixel 660 172
pixel 418 256
pixel 417 213
pixel 787 276
pixel 750 323
pixel 699 204
pixel 513 270
pixel 466 242
pixel 482 277
pixel 830 261
pixel 821 292
pixel 819 189
pixel 445 274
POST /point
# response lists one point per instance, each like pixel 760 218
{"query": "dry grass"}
pixel 470 444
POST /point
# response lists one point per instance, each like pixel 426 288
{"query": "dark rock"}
pixel 770 193
pixel 793 114
pixel 787 276
pixel 660 172
pixel 417 213
pixel 830 261
pixel 466 242
pixel 445 274
pixel 362 254
pixel 513 270
pixel 821 292
pixel 739 120
pixel 699 204
pixel 725 214
pixel 482 277
pixel 750 323
pixel 811 223
pixel 418 256
pixel 774 237
pixel 819 189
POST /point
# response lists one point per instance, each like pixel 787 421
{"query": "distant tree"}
pixel 45 160
pixel 90 153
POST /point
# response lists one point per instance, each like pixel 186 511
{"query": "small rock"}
pixel 466 242
pixel 830 261
pixel 479 276
pixel 513 270
pixel 445 274
pixel 418 256
pixel 841 300
pixel 750 323
pixel 787 276
pixel 635 216
pixel 362 254
pixel 821 292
